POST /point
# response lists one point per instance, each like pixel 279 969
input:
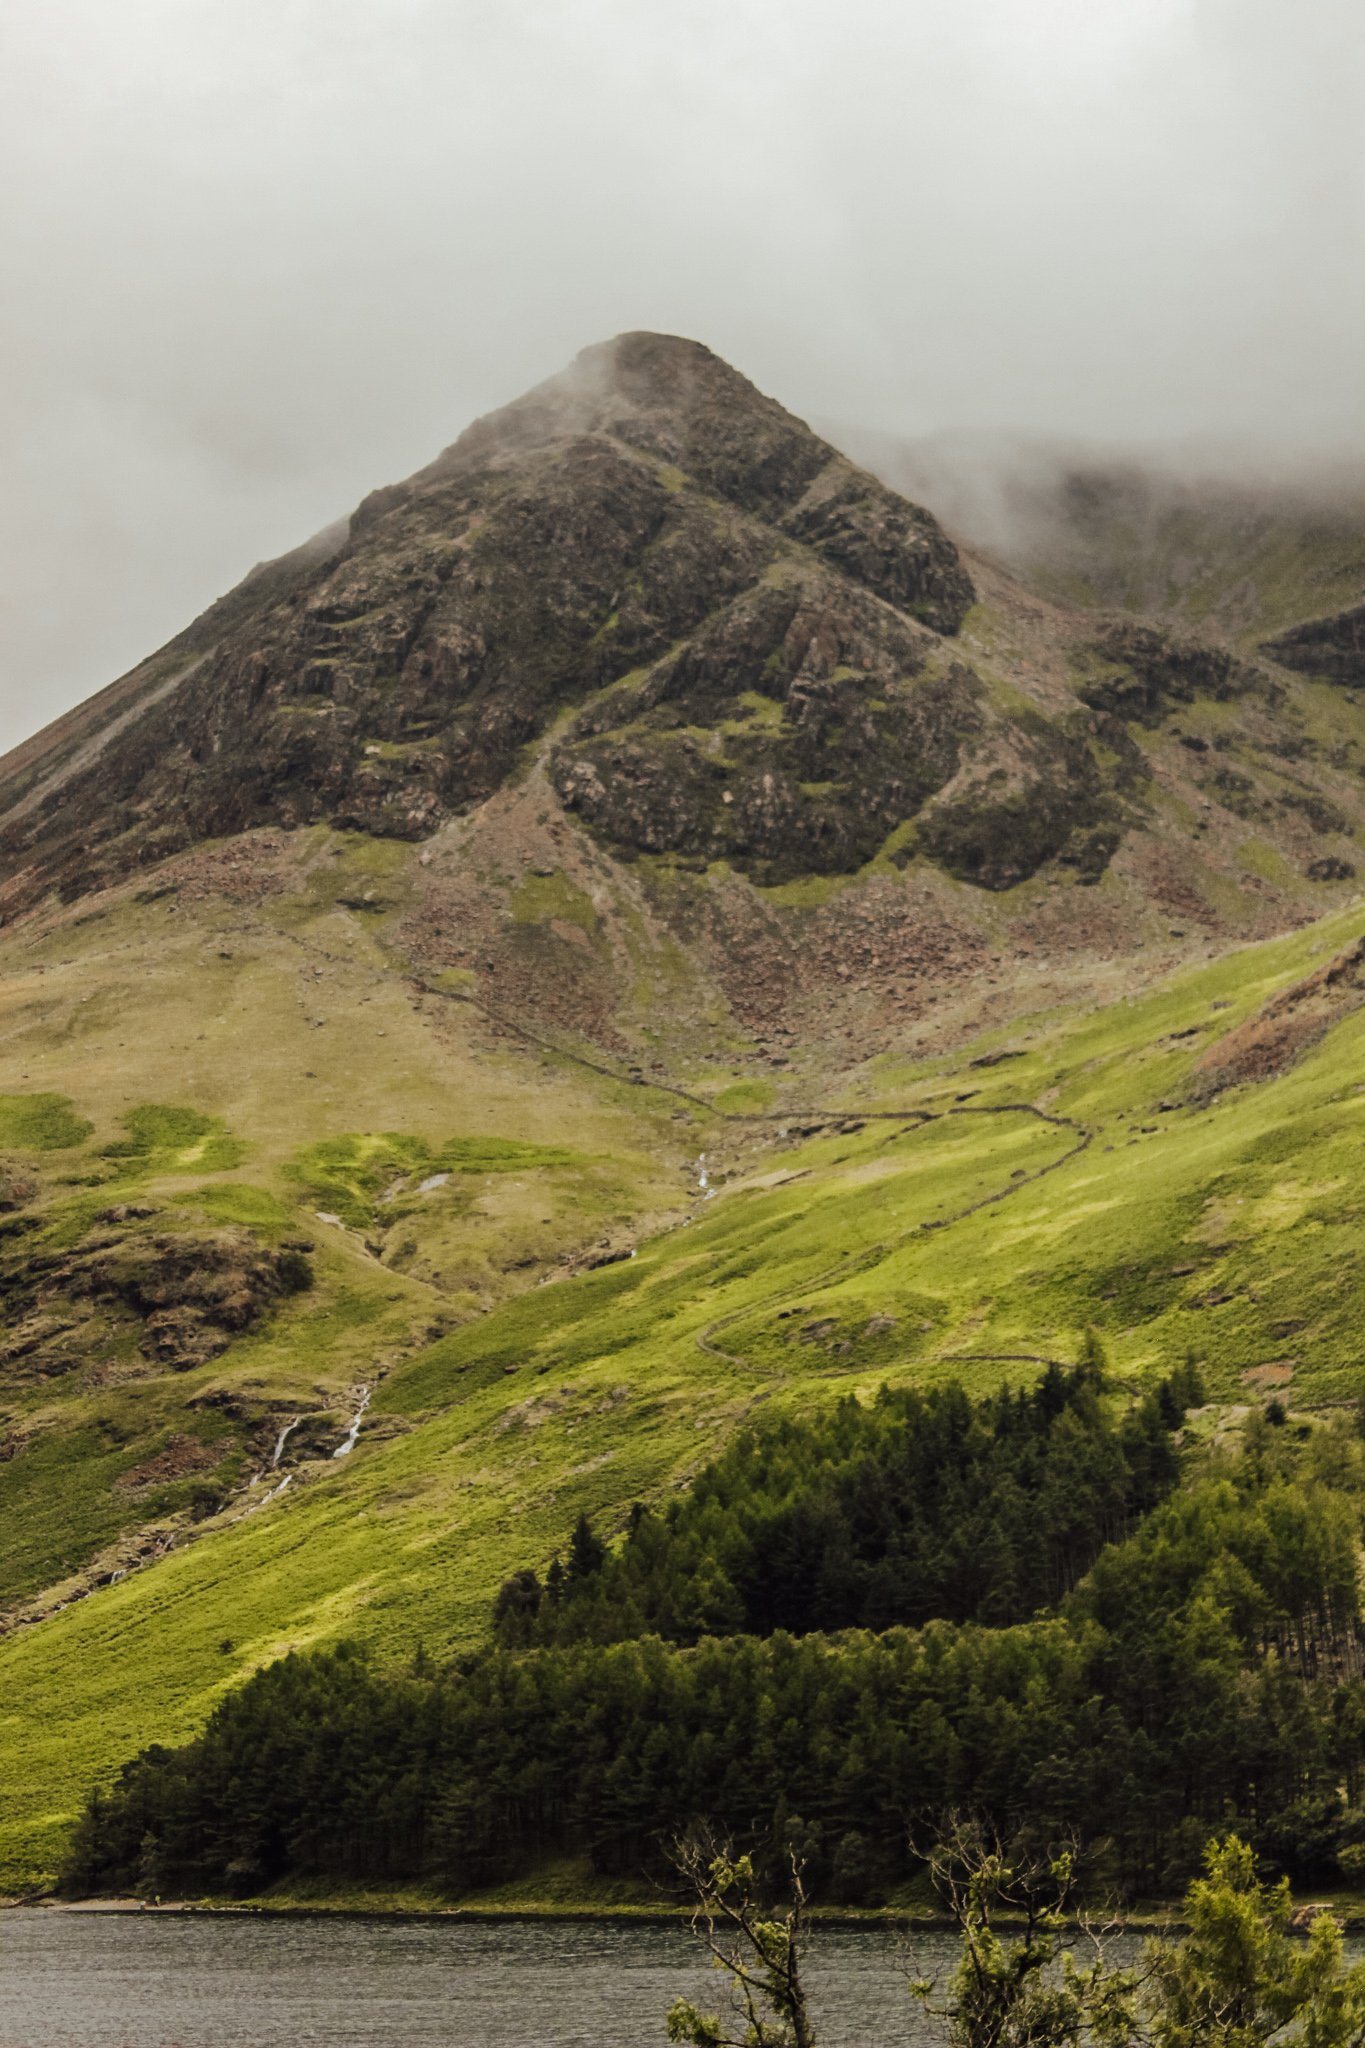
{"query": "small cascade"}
pixel 347 1444
pixel 702 1181
pixel 275 1491
pixel 281 1440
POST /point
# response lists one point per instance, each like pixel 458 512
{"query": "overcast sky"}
pixel 257 256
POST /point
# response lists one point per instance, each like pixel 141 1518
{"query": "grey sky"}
pixel 257 256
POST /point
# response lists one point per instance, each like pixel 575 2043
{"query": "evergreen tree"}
pixel 1239 1977
pixel 586 1553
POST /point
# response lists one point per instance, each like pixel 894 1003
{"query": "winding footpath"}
pixel 1082 1136
pixel 850 1263
pixel 910 1118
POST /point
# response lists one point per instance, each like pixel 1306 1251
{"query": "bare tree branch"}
pixel 759 1949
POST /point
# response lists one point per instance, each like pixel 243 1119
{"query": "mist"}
pixel 261 255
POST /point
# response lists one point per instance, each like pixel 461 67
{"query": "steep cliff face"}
pixel 589 531
pixel 790 734
pixel 709 638
pixel 1333 648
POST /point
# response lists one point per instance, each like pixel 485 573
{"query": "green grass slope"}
pixel 1236 554
pixel 944 1227
pixel 1244 561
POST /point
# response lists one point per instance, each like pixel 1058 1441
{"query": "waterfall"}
pixel 347 1443
pixel 282 1439
pixel 254 1507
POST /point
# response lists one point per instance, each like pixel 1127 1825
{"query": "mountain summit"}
pixel 646 520
pixel 714 639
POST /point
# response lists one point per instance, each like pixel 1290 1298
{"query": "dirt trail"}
pixel 912 1117
pixel 918 1118
pixel 854 1263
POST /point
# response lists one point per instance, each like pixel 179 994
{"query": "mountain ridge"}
pixel 765 662
pixel 498 629
pixel 361 1101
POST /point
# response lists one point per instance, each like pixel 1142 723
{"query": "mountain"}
pixel 647 526
pixel 717 640
pixel 1206 543
pixel 637 922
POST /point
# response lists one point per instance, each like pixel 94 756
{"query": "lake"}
pixel 89 1980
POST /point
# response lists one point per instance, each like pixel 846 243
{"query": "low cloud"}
pixel 261 257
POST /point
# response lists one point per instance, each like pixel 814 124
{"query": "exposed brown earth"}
pixel 179 1459
pixel 1284 1029
pixel 1276 1375
pixel 127 1299
pixel 709 741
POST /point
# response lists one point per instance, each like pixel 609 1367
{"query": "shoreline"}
pixel 343 1909
pixel 863 1918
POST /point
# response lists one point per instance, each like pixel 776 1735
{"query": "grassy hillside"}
pixel 1241 556
pixel 942 1227
pixel 1244 561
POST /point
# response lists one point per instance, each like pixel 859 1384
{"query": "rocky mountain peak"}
pixel 713 638
pixel 672 399
pixel 647 518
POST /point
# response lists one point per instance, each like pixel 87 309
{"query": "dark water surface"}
pixel 77 1980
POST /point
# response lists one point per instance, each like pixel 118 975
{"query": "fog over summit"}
pixel 262 259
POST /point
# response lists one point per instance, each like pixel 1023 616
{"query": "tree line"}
pixel 1196 1665
pixel 916 1507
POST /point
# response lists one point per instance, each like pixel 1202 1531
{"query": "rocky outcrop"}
pixel 1333 648
pixel 890 547
pixel 178 1297
pixel 395 675
pixel 1052 794
pixel 790 735
pixel 1141 671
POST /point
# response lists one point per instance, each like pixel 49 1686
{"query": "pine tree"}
pixel 587 1554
